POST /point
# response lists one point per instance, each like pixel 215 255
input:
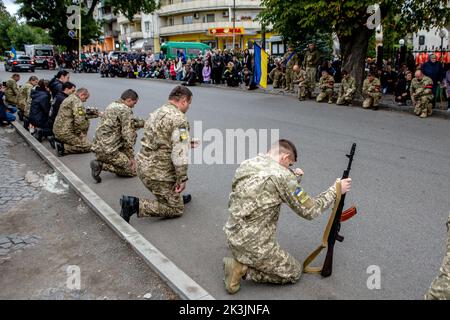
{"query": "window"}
pixel 147 26
pixel 171 22
pixel 194 52
pixel 421 40
pixel 188 19
pixel 210 17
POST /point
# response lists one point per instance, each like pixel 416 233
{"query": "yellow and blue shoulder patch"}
pixel 301 195
pixel 80 111
pixel 183 134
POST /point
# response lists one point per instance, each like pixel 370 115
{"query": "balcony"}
pixel 121 19
pixel 203 27
pixel 179 7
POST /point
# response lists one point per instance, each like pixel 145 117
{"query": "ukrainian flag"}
pixel 261 63
pixel 13 53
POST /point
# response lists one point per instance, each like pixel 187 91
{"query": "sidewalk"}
pixel 45 228
pixel 387 101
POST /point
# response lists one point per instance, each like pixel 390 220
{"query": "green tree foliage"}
pixel 52 14
pixel 21 34
pixel 293 19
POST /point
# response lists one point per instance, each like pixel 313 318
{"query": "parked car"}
pixel 22 63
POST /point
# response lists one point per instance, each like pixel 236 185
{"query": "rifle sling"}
pixel 313 255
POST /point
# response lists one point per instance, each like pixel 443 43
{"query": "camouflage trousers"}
pixel 290 79
pixel 168 203
pixel 278 81
pixel 277 267
pixel 302 90
pixel 423 106
pixel 344 99
pixel 75 144
pixel 325 95
pixel 117 162
pixel 372 100
pixel 310 82
pixel 440 288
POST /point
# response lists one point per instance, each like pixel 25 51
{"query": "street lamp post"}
pixel 442 34
pixel 79 34
pixel 234 24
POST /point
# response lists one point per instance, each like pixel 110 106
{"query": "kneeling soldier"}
pixel 115 138
pixel 326 85
pixel 347 89
pixel 422 95
pixel 72 124
pixel 371 92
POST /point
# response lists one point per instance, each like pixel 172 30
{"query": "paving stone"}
pixel 4 240
pixel 4 252
pixel 6 245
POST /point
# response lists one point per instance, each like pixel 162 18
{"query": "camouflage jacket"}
pixel 311 58
pixel 72 118
pixel 117 130
pixel 11 92
pixel 24 100
pixel 276 73
pixel 165 145
pixel 299 77
pixel 326 82
pixel 370 88
pixel 259 187
pixel 348 86
pixel 295 59
pixel 422 87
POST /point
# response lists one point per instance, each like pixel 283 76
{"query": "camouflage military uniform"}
pixel 115 138
pixel 422 95
pixel 299 80
pixel 347 90
pixel 276 75
pixel 371 92
pixel 163 161
pixel 295 60
pixel 259 188
pixel 310 65
pixel 326 85
pixel 440 288
pixel 11 92
pixel 24 100
pixel 72 124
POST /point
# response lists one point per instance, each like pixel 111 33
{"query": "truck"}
pixel 41 54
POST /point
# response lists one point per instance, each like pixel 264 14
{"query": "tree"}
pixel 52 14
pixel 352 23
pixel 21 34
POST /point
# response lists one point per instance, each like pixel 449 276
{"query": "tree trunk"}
pixel 354 53
pixel 92 8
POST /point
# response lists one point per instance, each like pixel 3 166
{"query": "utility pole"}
pixel 234 25
pixel 79 34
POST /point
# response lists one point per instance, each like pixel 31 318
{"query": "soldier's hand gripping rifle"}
pixel 338 218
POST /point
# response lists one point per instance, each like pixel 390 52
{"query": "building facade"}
pixel 211 22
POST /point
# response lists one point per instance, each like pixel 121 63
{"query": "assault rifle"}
pixel 338 218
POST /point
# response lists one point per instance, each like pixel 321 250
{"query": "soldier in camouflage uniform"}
pixel 440 288
pixel 163 160
pixel 24 100
pixel 277 75
pixel 312 57
pixel 72 124
pixel 290 59
pixel 299 80
pixel 347 89
pixel 259 187
pixel 371 92
pixel 326 86
pixel 12 90
pixel 115 138
pixel 421 94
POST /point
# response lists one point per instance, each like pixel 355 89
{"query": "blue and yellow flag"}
pixel 261 64
pixel 13 53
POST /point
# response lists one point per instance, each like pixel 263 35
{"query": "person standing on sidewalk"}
pixel 115 138
pixel 162 163
pixel 312 58
pixel 290 60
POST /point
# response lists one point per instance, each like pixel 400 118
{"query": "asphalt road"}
pixel 400 185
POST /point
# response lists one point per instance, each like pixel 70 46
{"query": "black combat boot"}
pixel 187 198
pixel 129 206
pixel 96 169
pixel 59 148
pixel 20 114
pixel 51 140
pixel 38 134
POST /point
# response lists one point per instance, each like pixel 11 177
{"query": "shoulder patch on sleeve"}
pixel 302 196
pixel 183 134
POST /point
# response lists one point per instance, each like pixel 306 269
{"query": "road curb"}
pixel 176 279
